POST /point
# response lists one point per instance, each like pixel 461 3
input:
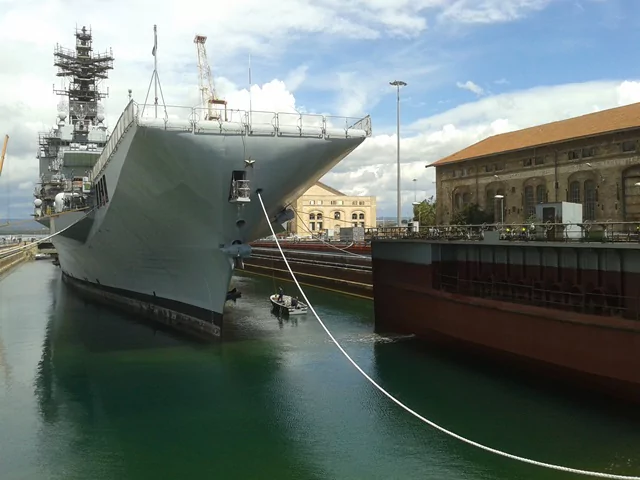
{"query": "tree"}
pixel 471 214
pixel 425 212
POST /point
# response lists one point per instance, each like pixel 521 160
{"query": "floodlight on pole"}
pixel 398 84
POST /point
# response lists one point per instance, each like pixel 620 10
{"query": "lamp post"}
pixel 501 197
pixel 398 84
pixel 415 192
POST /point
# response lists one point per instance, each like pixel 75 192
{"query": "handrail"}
pixel 122 125
pixel 587 231
pixel 244 122
pixel 254 122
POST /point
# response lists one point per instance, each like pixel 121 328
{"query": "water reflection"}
pixel 44 381
pixel 5 366
pixel 107 397
pixel 155 405
pixel 496 407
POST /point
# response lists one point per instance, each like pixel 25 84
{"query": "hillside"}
pixel 20 226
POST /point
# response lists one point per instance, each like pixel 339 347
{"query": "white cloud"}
pixel 490 11
pixel 269 29
pixel 296 77
pixel 371 169
pixel 472 87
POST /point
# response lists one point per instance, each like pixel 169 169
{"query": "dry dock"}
pixel 332 270
pixel 11 260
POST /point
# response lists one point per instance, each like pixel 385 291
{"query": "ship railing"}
pixel 68 209
pixel 125 121
pixel 587 231
pixel 67 52
pixel 201 120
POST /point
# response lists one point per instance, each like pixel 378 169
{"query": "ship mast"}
pixel 86 70
pixel 155 79
pixel 207 91
pixel 155 66
pixel 68 151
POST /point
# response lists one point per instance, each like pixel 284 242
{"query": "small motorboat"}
pixel 285 305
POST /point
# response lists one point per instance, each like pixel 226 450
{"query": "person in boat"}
pixel 280 294
pixel 294 302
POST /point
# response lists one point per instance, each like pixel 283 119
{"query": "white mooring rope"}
pixel 414 413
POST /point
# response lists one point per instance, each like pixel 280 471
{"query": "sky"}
pixel 473 68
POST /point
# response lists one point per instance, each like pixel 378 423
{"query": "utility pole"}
pixel 398 84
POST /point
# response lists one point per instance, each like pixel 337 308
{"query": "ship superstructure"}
pixel 68 152
pixel 166 206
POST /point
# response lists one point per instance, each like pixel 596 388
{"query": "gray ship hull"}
pixel 159 242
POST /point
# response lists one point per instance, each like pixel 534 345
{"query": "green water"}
pixel 86 393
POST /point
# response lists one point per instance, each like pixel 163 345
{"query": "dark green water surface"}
pixel 87 393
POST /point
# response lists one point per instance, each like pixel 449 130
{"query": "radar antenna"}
pixel 207 91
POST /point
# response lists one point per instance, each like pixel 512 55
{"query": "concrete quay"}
pixel 10 261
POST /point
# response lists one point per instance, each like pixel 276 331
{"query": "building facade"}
pixel 324 210
pixel 592 160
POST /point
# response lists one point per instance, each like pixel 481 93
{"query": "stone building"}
pixel 323 209
pixel 592 159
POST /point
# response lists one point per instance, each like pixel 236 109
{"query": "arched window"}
pixel 541 194
pixel 529 206
pixel 574 192
pixel 457 201
pixel 589 206
pixel 361 216
pixel 312 216
pixel 490 201
pixel 336 215
pixel 354 216
pixel 319 216
pixel 631 193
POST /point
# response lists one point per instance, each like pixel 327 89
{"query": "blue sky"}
pixel 529 62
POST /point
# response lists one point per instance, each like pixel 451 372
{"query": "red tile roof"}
pixel 605 121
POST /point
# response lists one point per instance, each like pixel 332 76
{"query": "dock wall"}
pixel 7 263
pixel 573 308
pixel 316 246
pixel 339 272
